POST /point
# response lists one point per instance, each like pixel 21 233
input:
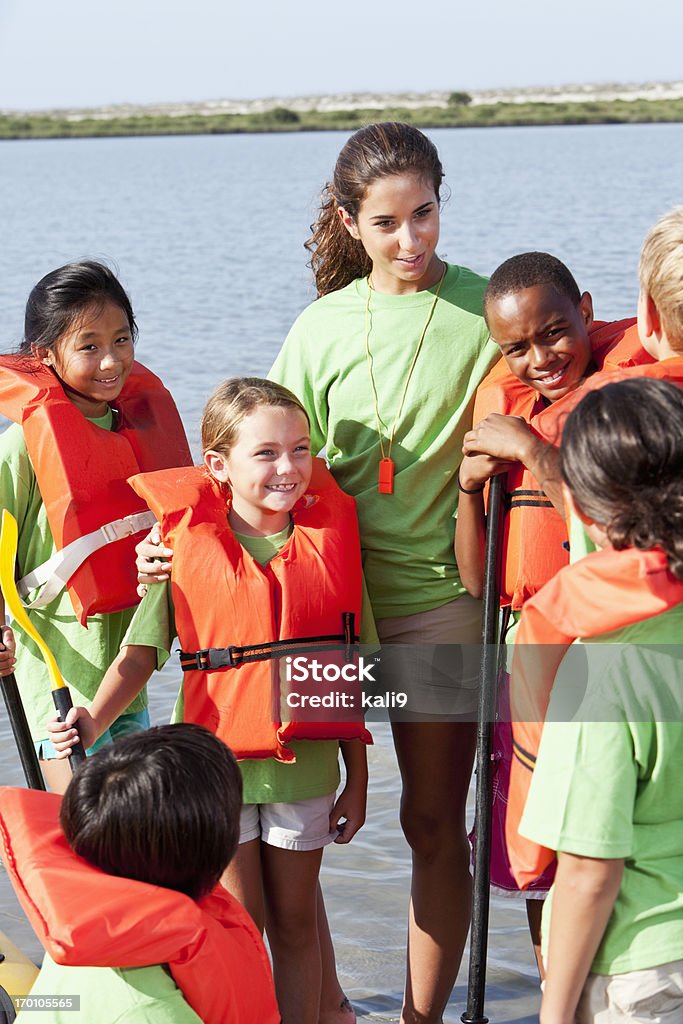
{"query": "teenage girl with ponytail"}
pixel 386 363
pixel 605 792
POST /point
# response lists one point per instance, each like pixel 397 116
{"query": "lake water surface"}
pixel 207 235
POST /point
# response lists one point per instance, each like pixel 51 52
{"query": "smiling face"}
pixel 398 226
pixel 93 358
pixel 268 469
pixel 543 337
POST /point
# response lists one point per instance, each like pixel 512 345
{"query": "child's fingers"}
pixel 8 643
pixel 7 663
pixel 7 651
pixel 7 648
pixel 64 748
pixel 347 830
pixel 156 575
pixel 151 549
pixel 63 736
pixel 57 726
pixel 147 552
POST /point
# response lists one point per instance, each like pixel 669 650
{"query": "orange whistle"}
pixel 386 476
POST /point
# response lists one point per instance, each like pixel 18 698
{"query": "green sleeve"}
pixel 17 478
pixel 293 369
pixel 153 624
pixel 583 790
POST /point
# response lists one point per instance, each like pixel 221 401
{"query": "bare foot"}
pixel 344 1014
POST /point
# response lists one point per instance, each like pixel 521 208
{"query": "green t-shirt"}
pixel 109 995
pixel 608 784
pixel 83 655
pixel 406 537
pixel 266 780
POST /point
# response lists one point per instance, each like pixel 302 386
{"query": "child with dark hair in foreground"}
pixel 120 882
pixel 605 791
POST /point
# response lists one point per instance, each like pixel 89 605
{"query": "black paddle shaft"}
pixel 64 704
pixel 22 733
pixel 488 689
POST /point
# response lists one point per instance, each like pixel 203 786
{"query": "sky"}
pixel 62 53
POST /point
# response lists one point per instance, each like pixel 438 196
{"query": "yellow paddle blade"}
pixel 8 553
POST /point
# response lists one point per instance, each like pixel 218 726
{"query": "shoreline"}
pixel 574 105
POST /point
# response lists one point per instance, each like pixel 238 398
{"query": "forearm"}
pixel 355 757
pixel 584 894
pixel 543 460
pixel 470 538
pixel 122 682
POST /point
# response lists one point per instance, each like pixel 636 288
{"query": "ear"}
pixel 217 466
pixel 649 320
pixel 348 222
pixel 43 355
pixel 571 506
pixel 586 308
pixel 595 531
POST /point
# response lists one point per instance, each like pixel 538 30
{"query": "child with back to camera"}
pixel 87 415
pixel 266 554
pixel 613 926
pixel 120 884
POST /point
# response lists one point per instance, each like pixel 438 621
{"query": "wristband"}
pixel 476 490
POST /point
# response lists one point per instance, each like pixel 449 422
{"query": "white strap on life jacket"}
pixel 60 567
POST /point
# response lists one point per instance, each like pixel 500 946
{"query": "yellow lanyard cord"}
pixel 368 355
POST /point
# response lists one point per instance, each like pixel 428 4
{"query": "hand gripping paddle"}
pixel 60 692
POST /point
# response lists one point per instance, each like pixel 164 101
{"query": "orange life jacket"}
pixel 606 591
pixel 85 917
pixel 82 470
pixel 236 618
pixel 534 533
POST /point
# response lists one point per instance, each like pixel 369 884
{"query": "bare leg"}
pixel 435 759
pixel 290 881
pixel 57 773
pixel 334 1006
pixel 242 879
pixel 534 909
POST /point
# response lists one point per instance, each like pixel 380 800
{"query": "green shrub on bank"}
pixel 460 115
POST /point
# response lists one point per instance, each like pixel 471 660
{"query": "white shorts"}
pixel 302 825
pixel 655 994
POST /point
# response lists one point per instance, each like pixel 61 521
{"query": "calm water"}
pixel 207 235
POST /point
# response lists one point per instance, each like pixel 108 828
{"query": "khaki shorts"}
pixel 655 994
pixel 435 660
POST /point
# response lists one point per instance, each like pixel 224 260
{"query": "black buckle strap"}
pixel 210 657
pixel 233 656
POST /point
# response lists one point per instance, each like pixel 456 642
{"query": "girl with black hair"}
pixel 605 791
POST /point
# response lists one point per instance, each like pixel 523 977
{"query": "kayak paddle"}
pixel 60 693
pixel 488 687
